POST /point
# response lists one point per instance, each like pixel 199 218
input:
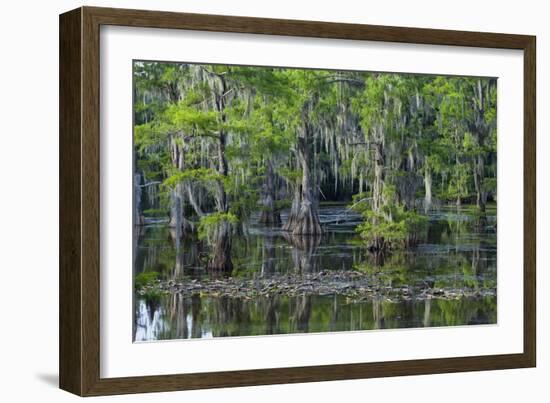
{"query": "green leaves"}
pixel 395 230
pixel 145 279
pixel 209 225
pixel 217 128
pixel 192 120
pixel 204 175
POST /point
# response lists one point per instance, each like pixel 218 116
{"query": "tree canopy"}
pixel 214 143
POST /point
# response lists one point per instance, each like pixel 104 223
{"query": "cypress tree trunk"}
pixel 378 244
pixel 221 254
pixel 307 222
pixel 177 220
pixel 479 174
pixel 459 190
pixel 427 189
pixel 407 185
pixel 480 129
pixel 138 213
pixel 378 177
pixel 176 211
pixel 294 209
pixel 270 215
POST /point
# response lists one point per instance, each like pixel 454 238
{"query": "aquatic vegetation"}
pixel 145 279
pixel 329 284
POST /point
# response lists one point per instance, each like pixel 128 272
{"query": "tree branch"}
pixel 150 184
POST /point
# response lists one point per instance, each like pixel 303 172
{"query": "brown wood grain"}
pixel 79 200
pixel 70 271
pixel 530 202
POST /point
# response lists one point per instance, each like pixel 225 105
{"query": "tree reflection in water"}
pixel 456 256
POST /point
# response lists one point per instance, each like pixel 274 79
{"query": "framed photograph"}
pixel 249 201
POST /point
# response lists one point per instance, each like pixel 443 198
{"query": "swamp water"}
pixel 282 285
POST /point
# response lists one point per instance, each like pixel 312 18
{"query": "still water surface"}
pixel 458 255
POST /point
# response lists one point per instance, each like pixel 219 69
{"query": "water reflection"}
pixel 457 255
pixel 181 318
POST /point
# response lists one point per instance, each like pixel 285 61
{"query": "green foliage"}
pixel 152 212
pixel 244 200
pixel 223 129
pixel 210 225
pixel 144 279
pixel 291 175
pixel 192 120
pixel 392 230
pixel 490 185
pixel 203 175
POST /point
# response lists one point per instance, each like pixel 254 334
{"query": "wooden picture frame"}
pixel 79 201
